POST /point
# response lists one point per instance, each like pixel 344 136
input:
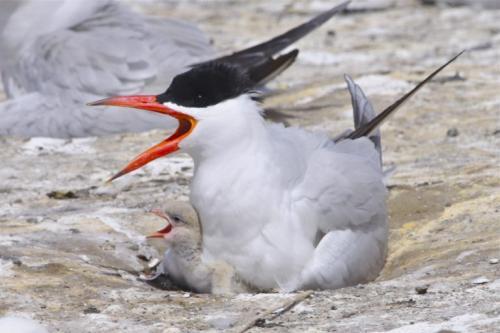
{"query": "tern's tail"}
pixel 365 121
pixel 367 129
pixel 363 112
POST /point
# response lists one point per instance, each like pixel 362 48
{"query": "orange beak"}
pixel 169 145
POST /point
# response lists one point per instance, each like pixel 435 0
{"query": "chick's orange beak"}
pixel 167 146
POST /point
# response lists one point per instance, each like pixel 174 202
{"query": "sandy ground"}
pixel 70 246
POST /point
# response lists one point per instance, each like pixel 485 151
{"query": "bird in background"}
pixel 57 55
pixel 285 207
pixel 183 262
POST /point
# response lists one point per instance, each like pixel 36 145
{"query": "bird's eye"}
pixel 199 96
pixel 177 219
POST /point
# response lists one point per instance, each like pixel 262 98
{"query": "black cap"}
pixel 207 84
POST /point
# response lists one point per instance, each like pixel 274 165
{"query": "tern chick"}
pixel 183 261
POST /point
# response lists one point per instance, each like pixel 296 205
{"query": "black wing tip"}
pixel 337 8
pixel 343 5
pixel 272 67
pixel 453 59
pixel 372 125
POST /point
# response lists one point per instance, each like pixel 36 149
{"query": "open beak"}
pixel 167 146
pixel 161 233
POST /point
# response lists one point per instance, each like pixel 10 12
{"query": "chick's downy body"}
pixel 184 262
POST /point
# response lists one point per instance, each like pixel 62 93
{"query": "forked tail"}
pixel 366 128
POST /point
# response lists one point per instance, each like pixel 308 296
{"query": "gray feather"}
pixel 86 50
pixel 363 112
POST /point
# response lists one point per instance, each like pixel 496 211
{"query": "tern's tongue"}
pixel 166 230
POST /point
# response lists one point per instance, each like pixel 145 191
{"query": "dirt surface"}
pixel 71 246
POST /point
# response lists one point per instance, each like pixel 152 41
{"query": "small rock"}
pixel 480 280
pixel 421 290
pixel 34 220
pixel 142 257
pixel 133 247
pixel 62 195
pixel 333 307
pixel 452 132
pixel 91 309
pixel 493 261
pixel 74 230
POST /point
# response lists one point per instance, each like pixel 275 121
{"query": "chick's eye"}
pixel 199 96
pixel 176 218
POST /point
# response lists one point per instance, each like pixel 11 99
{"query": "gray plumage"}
pixel 57 55
pixel 70 52
pixel 363 112
pixel 183 261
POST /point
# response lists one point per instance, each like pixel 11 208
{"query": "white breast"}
pixel 264 193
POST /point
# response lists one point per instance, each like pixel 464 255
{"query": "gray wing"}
pixel 36 114
pixel 111 51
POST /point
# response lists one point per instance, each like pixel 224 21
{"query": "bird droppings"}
pixel 42 146
pixel 480 280
pixel 6 268
pixel 443 232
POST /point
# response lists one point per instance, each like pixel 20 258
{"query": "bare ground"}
pixel 69 244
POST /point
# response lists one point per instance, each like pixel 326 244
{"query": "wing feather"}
pixel 104 50
pixel 354 192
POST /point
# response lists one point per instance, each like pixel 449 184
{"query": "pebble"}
pixel 91 309
pixel 452 132
pixel 493 261
pixel 480 280
pixel 421 290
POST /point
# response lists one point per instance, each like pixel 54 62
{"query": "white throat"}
pixel 233 124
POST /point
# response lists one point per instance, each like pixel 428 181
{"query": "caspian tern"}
pixel 57 54
pixel 286 207
pixel 183 261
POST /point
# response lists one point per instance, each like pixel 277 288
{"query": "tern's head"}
pixel 182 223
pixel 204 100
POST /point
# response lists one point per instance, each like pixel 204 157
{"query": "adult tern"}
pixel 58 54
pixel 286 207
